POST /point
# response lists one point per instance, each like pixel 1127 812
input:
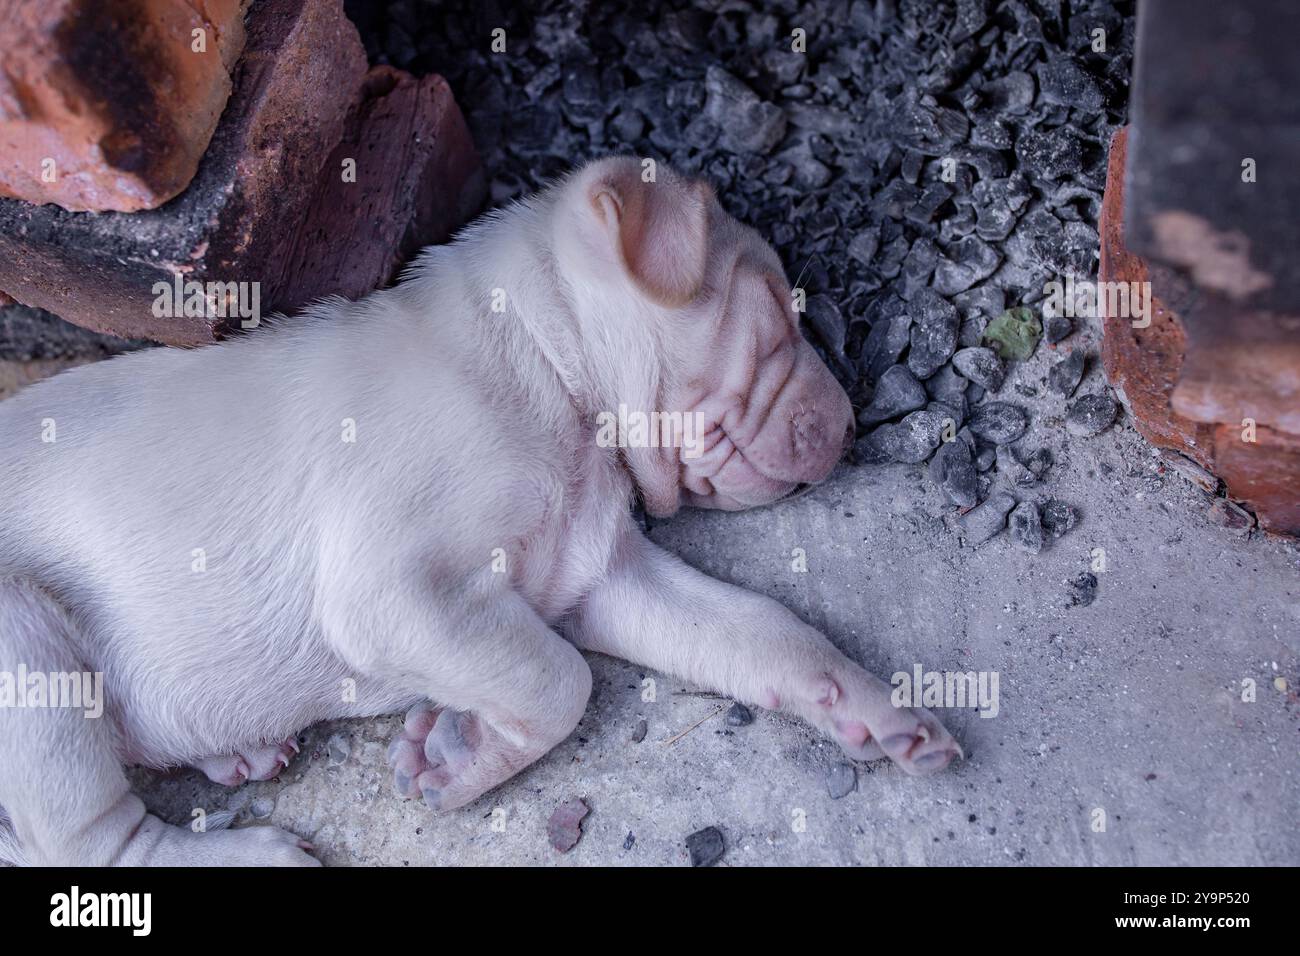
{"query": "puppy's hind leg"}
pixel 506 687
pixel 61 781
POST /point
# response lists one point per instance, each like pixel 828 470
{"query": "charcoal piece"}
pixel 1059 517
pixel 1050 154
pixel 986 521
pixel 986 300
pixel 1064 377
pixel 954 412
pixel 705 847
pixel 918 266
pixel 934 333
pixel 980 365
pixel 1064 82
pixel 991 133
pixel 1091 415
pixel 628 125
pixel 948 387
pixel 1081 590
pixel 897 393
pixel 748 123
pixel 891 331
pixel 998 422
pixel 912 440
pixel 841 780
pixel 739 715
pixel 1057 328
pixel 968 261
pixel 928 203
pixel 1031 469
pixel 863 246
pixel 952 469
pixel 826 319
pixel 1012 93
pixel 1026 527
pixel 580 94
pixel 891 258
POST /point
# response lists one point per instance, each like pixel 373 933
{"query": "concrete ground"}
pixel 1132 705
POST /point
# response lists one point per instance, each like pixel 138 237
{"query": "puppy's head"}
pixel 700 325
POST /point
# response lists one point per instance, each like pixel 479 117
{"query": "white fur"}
pixel 329 562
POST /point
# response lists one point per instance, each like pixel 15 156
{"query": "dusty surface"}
pixel 1132 704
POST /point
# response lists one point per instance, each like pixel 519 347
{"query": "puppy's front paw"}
pixel 858 711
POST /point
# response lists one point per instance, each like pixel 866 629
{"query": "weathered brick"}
pixel 417 178
pixel 268 204
pixel 109 104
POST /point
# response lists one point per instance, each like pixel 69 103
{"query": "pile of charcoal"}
pixel 923 167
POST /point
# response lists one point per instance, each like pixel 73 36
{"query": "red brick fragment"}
pixel 109 104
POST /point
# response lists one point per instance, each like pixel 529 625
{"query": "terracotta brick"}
pixel 107 104
pixel 268 204
pixel 417 178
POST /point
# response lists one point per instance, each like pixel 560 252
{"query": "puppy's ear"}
pixel 659 229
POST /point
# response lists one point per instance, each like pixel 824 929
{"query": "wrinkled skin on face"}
pixel 768 415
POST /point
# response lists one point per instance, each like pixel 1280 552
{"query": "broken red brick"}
pixel 413 178
pixel 109 104
pixel 302 90
pixel 564 828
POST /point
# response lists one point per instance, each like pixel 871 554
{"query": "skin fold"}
pixel 401 504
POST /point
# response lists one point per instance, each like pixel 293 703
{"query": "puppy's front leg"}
pixel 656 610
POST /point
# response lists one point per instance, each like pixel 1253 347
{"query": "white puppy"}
pixel 403 503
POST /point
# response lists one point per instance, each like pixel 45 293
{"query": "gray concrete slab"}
pixel 1132 705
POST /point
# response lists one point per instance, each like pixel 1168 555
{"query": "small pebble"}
pixel 1057 327
pixel 980 365
pixel 1058 517
pixel 1082 589
pixel 639 731
pixel 739 716
pixel 339 749
pixel 985 522
pixel 1026 527
pixel 1091 415
pixel 998 422
pixel 897 393
pixel 705 846
pixel 564 828
pixel 841 780
pixel 1065 376
pixel 953 470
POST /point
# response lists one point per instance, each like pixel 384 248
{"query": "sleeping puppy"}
pixel 403 503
